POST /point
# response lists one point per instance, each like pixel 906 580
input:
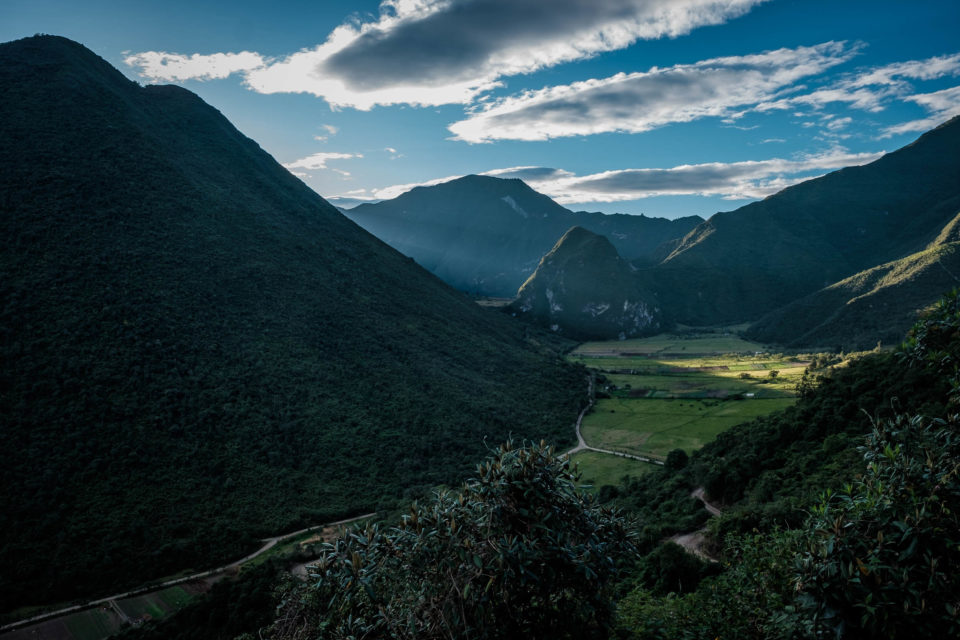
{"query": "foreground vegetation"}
pixel 840 514
pixel 840 519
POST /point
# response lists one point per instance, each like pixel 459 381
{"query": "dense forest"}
pixel 199 351
pixel 841 518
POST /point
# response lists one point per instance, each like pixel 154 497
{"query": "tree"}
pixel 517 551
pixel 677 459
pixel 880 556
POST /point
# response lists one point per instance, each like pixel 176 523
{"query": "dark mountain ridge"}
pixel 741 264
pixel 877 304
pixel 486 235
pixel 199 351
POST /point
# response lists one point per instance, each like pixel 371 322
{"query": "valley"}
pixel 522 407
pixel 676 391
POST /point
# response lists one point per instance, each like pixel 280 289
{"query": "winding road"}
pixel 269 543
pixel 583 446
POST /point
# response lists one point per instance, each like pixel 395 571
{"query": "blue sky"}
pixel 662 107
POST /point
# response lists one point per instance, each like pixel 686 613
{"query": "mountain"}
pixel 486 235
pixel 742 264
pixel 880 303
pixel 198 351
pixel 583 289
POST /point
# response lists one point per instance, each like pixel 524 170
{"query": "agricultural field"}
pixel 91 624
pixel 157 604
pixel 598 469
pixel 678 392
pixel 654 426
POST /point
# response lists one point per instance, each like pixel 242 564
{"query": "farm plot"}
pixel 679 391
pixel 654 427
pixel 598 469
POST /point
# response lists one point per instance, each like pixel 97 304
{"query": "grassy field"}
pixel 157 604
pixel 678 392
pixel 666 343
pixel 598 469
pixel 654 427
pixel 92 624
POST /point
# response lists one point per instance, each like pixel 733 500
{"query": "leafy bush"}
pixel 518 551
pixel 881 554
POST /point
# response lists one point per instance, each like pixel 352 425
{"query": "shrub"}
pixel 518 551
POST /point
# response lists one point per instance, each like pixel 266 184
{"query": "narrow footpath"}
pixel 695 542
pixel 269 543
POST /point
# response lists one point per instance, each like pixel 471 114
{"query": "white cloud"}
pixel 871 89
pixel 942 105
pixel 638 102
pixel 836 124
pixel 319 161
pixel 173 67
pixel 750 179
pixel 733 180
pixel 433 52
pixel 331 131
pixel 929 69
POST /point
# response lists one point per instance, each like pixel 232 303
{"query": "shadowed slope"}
pixel 584 290
pixel 198 350
pixel 486 235
pixel 743 263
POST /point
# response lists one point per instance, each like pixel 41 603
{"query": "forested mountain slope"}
pixel 741 264
pixel 877 304
pixel 199 351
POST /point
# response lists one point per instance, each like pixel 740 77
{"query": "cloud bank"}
pixel 434 52
pixel 637 102
pixel 747 180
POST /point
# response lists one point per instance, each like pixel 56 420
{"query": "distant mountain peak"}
pixel 583 289
pixel 485 234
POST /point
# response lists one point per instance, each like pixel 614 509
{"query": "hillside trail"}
pixel 269 543
pixel 695 542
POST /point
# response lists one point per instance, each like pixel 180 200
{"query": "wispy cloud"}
pixel 942 105
pixel 330 131
pixel 872 89
pixel 433 52
pixel 732 180
pixel 636 102
pixel 173 67
pixel 318 161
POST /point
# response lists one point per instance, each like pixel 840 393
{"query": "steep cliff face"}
pixel 583 289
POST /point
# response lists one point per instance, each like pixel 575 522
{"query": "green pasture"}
pixel 138 606
pixel 666 343
pixel 92 624
pixel 699 384
pixel 175 597
pixel 654 427
pixel 598 469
